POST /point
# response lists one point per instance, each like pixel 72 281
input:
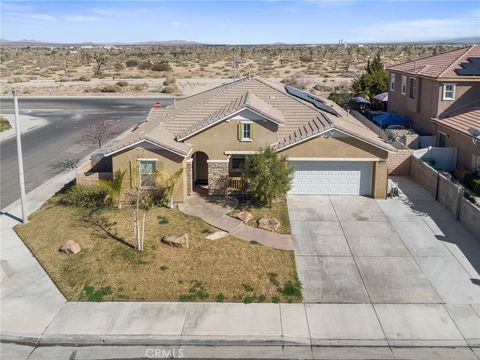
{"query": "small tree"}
pixel 113 188
pixel 166 184
pixel 374 80
pixel 98 131
pixel 269 177
pixel 100 63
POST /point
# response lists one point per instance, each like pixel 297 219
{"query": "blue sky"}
pixel 238 22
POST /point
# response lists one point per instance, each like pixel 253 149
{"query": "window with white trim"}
pixel 247 131
pixel 147 170
pixel 412 92
pixel 404 84
pixel 448 92
pixel 392 82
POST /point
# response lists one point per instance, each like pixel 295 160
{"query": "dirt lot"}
pixel 143 70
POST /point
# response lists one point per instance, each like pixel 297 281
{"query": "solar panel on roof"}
pixel 318 103
pixel 472 67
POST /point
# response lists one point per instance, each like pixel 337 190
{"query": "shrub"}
pixel 169 81
pixel 83 78
pixel 122 83
pixel 145 65
pixel 341 99
pixel 110 89
pixel 291 289
pixel 131 63
pixel 169 90
pixel 162 66
pixel 85 196
pixel 4 124
pixel 472 181
pixel 220 297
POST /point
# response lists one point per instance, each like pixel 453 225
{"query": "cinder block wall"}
pixel 398 163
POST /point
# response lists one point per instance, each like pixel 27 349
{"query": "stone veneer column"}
pixel 189 176
pixel 217 177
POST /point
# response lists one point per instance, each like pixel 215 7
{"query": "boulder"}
pixel 217 235
pixel 176 241
pixel 70 247
pixel 268 224
pixel 245 216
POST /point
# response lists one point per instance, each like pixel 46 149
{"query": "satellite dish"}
pixel 474 132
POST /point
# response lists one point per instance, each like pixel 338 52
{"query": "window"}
pixel 475 162
pixel 238 163
pixel 245 131
pixel 413 88
pixel 392 82
pixel 448 91
pixel 147 171
pixel 404 84
pixel 442 139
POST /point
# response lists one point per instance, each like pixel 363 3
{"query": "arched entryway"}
pixel 200 168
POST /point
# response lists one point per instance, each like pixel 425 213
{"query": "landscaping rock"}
pixel 268 224
pixel 176 241
pixel 70 247
pixel 245 216
pixel 217 235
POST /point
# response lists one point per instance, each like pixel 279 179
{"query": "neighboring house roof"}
pixel 381 97
pixel 441 66
pixel 296 118
pixel 462 119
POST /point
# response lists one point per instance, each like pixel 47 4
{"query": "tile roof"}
pixel 297 119
pixel 442 65
pixel 462 119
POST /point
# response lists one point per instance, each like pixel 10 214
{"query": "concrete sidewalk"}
pixel 35 313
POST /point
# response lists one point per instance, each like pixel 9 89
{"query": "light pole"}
pixel 21 178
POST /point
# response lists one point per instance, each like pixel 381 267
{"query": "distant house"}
pixel 439 95
pixel 212 136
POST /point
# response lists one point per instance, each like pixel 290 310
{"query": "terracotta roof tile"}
pixel 463 118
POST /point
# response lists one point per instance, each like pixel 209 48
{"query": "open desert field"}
pixel 184 70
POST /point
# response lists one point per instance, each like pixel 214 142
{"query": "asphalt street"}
pixel 55 147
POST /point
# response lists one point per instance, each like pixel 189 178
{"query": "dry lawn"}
pixel 107 269
pixel 278 211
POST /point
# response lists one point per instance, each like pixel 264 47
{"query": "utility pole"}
pixel 234 61
pixel 21 178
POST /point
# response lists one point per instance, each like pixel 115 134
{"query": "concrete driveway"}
pixel 352 249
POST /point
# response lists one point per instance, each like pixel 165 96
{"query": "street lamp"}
pixel 21 178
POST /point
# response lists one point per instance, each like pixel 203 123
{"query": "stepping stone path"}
pixel 217 235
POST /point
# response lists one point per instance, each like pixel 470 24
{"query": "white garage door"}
pixel 331 177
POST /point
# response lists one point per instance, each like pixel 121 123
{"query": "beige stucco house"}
pixel 212 135
pixel 439 94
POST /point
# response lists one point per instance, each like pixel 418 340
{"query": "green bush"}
pixel 131 63
pixel 85 196
pixel 341 99
pixel 162 66
pixel 4 124
pixel 472 181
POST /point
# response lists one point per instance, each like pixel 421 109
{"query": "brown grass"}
pixel 278 211
pixel 228 266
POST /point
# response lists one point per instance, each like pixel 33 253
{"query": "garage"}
pixel 332 177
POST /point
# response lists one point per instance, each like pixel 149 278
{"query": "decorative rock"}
pixel 176 241
pixel 217 235
pixel 245 216
pixel 70 247
pixel 268 224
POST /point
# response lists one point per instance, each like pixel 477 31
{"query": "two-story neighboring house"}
pixel 212 136
pixel 440 95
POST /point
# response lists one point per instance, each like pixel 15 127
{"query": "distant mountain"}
pixel 23 43
pixel 466 40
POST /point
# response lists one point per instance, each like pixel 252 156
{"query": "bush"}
pixel 169 81
pixel 122 83
pixel 341 99
pixel 110 89
pixel 131 63
pixel 85 196
pixel 4 124
pixel 83 78
pixel 472 181
pixel 145 65
pixel 169 90
pixel 162 66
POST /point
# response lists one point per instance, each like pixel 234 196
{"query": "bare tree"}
pixel 98 131
pixel 65 67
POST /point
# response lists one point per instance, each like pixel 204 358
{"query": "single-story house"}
pixel 212 135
